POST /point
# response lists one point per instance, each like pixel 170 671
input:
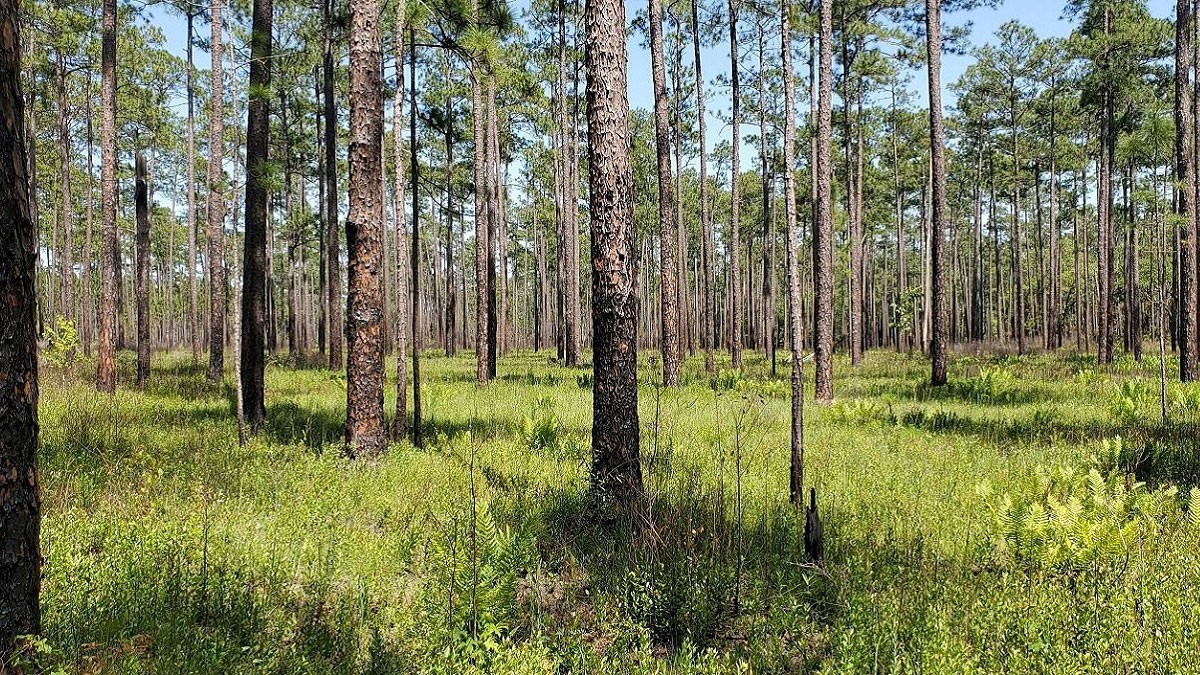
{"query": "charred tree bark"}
pixel 141 243
pixel 1185 192
pixel 20 500
pixel 616 464
pixel 254 258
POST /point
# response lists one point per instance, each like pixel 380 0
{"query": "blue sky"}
pixel 1045 16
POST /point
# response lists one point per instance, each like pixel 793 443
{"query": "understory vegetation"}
pixel 1033 516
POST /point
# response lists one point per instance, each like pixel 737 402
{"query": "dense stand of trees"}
pixel 1047 206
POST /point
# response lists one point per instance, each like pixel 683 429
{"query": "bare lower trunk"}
pixel 142 261
pixel 216 207
pixel 364 236
pixel 20 556
pixel 616 464
pixel 254 260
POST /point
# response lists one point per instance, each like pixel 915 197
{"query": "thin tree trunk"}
pixel 400 420
pixel 106 367
pixel 66 260
pixel 937 143
pixel 708 308
pixel 735 278
pixel 795 337
pixel 215 233
pixel 414 169
pixel 823 227
pixel 336 329
pixel 193 298
pixel 1185 193
pixel 668 271
pixel 142 279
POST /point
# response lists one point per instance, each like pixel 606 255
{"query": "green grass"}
pixel 169 549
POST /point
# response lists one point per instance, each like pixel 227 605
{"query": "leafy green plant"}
pixel 1066 519
pixel 1127 406
pixel 62 341
pixel 993 385
pixel 859 411
pixel 727 380
pixel 542 432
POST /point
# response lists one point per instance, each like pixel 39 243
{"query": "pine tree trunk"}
pixel 142 260
pixel 20 557
pixel 193 298
pixel 364 237
pixel 1185 193
pixel 668 259
pixel 215 232
pixel 733 297
pixel 254 258
pixel 400 420
pixel 795 335
pixel 492 162
pixel 414 169
pixel 478 118
pixel 336 328
pixel 937 143
pixel 106 366
pixel 616 464
pixel 66 260
pixel 823 227
pixel 708 290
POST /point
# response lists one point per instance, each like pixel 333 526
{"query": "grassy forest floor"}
pixel 991 526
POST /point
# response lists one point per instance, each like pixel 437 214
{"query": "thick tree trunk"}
pixel 141 243
pixel 20 502
pixel 215 232
pixel 937 146
pixel 365 434
pixel 106 366
pixel 254 258
pixel 616 463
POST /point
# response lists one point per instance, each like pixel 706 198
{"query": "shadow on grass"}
pixel 679 564
pixel 1037 426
